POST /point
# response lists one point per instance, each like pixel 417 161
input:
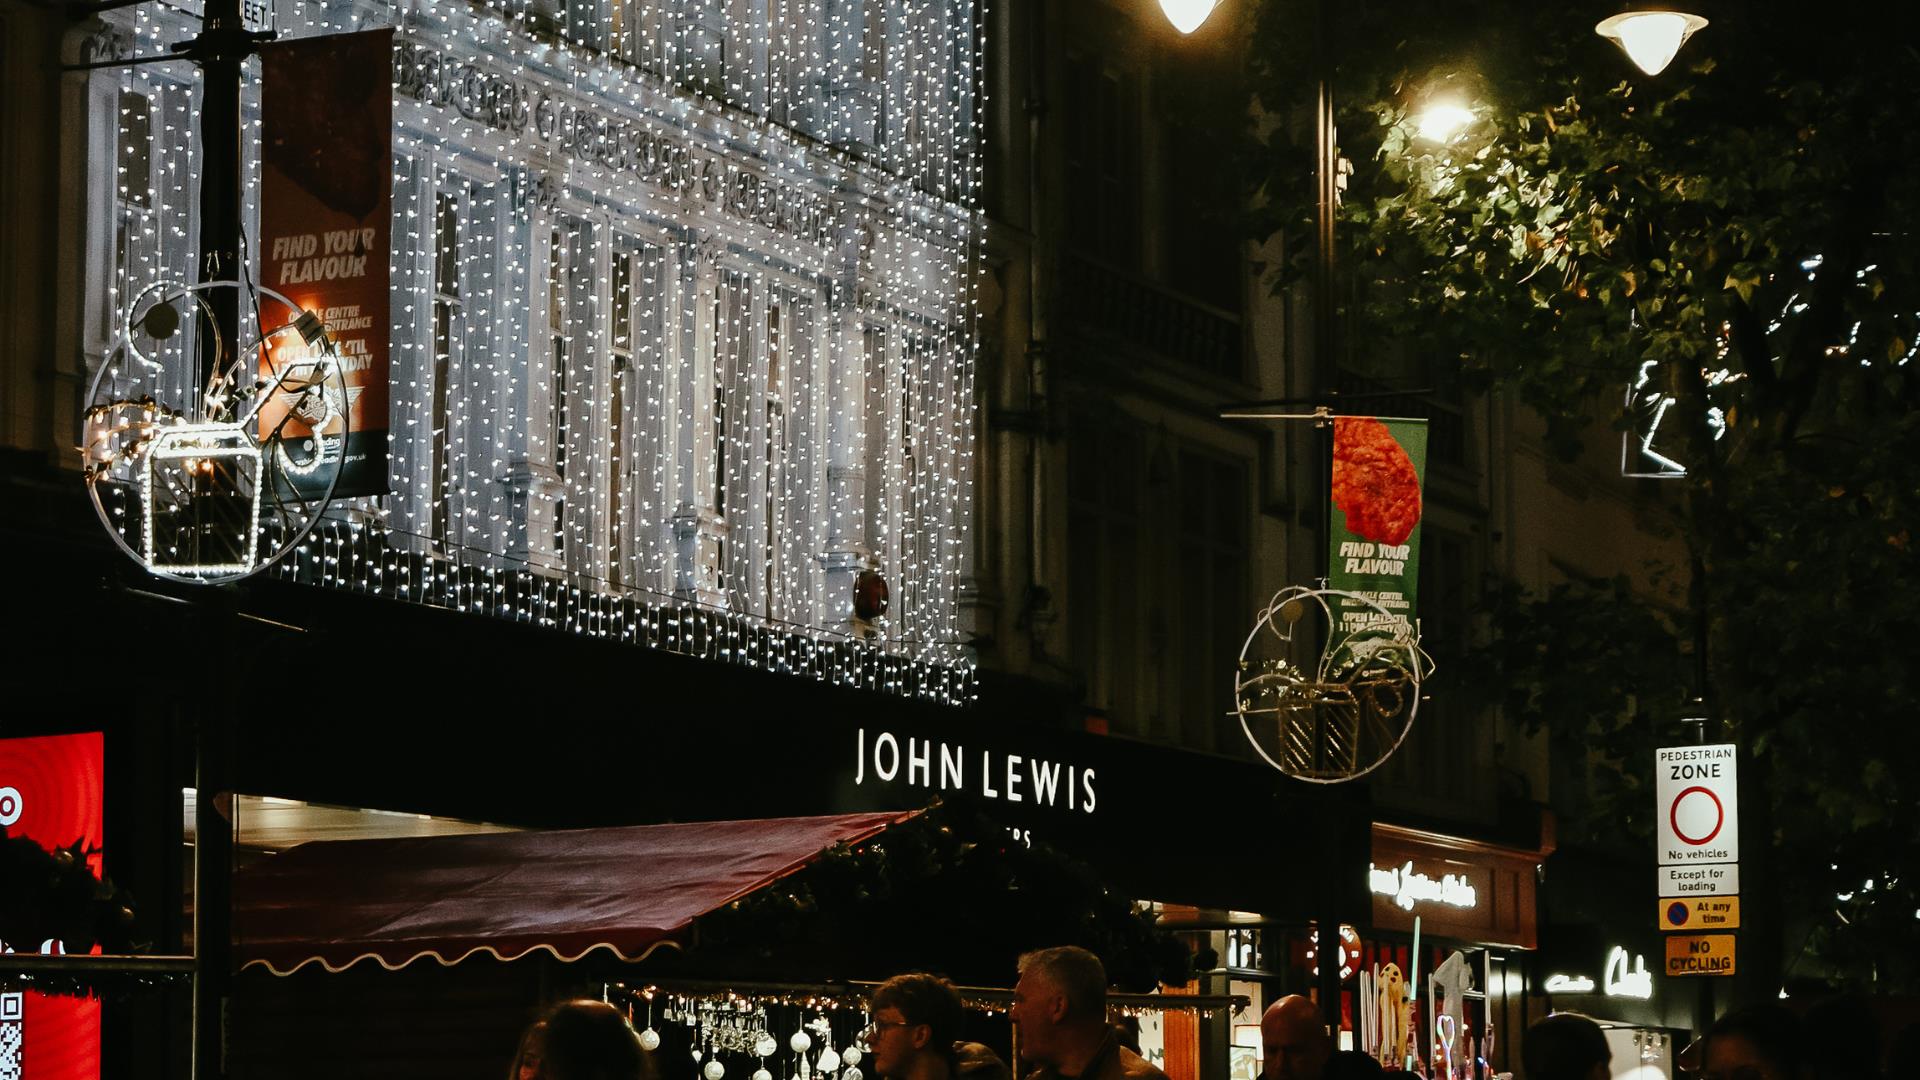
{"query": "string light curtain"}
pixel 683 313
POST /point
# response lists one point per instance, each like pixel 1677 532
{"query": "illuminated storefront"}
pixel 682 316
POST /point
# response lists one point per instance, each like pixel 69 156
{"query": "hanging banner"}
pixel 326 198
pixel 1374 537
pixel 51 793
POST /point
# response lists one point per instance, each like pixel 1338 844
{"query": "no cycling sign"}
pixel 1697 799
pixel 1697 834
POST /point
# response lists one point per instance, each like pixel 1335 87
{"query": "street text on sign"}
pixel 1699 954
pixel 1702 879
pixel 1697 816
pixel 1699 913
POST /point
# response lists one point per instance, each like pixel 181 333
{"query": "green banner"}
pixel 1374 538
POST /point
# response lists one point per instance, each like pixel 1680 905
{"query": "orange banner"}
pixel 326 199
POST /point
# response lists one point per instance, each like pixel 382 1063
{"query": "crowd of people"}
pixel 1063 1031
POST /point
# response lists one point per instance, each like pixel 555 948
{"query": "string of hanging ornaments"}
pixel 799 1034
pixel 684 322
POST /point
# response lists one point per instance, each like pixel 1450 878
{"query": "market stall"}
pixel 424 956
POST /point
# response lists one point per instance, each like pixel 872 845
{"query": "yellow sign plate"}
pixel 1700 954
pixel 1699 913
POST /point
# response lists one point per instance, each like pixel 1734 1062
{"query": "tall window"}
pixel 732 429
pixel 133 184
pixel 1210 603
pixel 1106 572
pixel 637 30
pixel 774 456
pixel 448 323
pixel 569 315
pixel 912 551
pixel 875 441
pixel 1103 162
pixel 621 345
pixel 636 337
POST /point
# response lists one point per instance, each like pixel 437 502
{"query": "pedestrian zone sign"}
pixel 1700 913
pixel 1698 818
pixel 1699 954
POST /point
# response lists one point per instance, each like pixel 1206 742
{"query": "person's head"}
pixel 1294 1039
pixel 1762 1042
pixel 590 1040
pixel 1126 1031
pixel 912 1015
pixel 526 1060
pixel 1059 1002
pixel 1849 1036
pixel 1565 1046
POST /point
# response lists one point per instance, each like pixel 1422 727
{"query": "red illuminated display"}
pixel 51 791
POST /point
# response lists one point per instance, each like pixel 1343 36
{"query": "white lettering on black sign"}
pixel 943 766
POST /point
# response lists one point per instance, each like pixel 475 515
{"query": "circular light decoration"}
pixel 1349 951
pixel 209 472
pixel 1320 700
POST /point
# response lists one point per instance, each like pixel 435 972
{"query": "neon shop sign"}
pixel 1406 887
pixel 1618 981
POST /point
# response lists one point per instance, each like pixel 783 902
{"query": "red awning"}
pixel 628 890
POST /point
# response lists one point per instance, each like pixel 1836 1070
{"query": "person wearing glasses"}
pixel 915 1033
pixel 1060 1020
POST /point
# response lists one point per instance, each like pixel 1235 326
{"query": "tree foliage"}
pixel 1740 232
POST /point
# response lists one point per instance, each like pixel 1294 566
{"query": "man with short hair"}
pixel 915 1033
pixel 1295 1040
pixel 1060 1020
pixel 1565 1046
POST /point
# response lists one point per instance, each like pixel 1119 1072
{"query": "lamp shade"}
pixel 1187 15
pixel 1650 39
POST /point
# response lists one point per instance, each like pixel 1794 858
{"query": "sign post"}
pixel 1697 844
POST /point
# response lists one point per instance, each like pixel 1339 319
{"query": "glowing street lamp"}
pixel 1442 121
pixel 1650 39
pixel 1187 15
